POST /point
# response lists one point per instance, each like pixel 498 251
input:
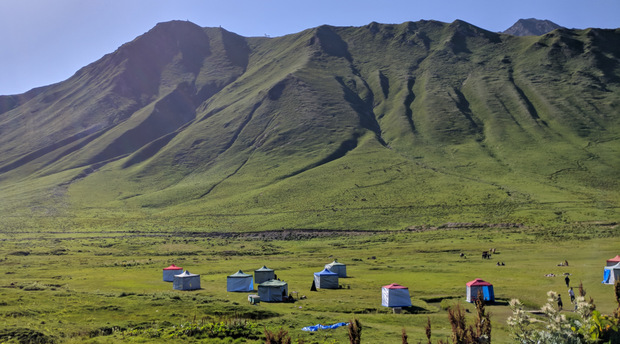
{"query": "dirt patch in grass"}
pixel 464 225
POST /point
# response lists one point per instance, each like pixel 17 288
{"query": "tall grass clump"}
pixel 280 337
pixel 479 332
pixel 355 331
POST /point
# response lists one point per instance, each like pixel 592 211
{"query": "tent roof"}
pixel 325 272
pixel 614 259
pixel 273 283
pixel 335 262
pixel 185 274
pixel 394 286
pixel 239 274
pixel 173 267
pixel 478 282
pixel 264 268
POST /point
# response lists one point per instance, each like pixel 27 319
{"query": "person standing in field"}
pixel 571 293
pixel 567 280
pixel 559 302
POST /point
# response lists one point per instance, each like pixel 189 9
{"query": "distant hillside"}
pixel 531 27
pixel 374 127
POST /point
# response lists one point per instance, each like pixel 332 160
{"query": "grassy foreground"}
pixel 95 286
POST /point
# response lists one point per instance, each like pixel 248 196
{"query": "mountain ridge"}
pixel 190 120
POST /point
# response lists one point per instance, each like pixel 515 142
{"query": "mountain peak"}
pixel 531 27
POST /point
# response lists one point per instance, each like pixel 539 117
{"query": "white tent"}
pixel 395 295
pixel 239 282
pixel 611 274
pixel 326 279
pixel 170 271
pixel 339 268
pixel 263 274
pixel 273 291
pixel 186 281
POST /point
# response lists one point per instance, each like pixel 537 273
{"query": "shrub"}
pixel 281 337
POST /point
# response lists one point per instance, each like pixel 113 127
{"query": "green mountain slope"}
pixel 381 126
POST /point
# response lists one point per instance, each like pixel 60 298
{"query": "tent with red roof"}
pixel 170 271
pixel 613 261
pixel 478 285
pixel 395 295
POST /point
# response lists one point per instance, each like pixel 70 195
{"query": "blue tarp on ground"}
pixel 323 327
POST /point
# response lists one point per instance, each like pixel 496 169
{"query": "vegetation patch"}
pixel 25 336
pixel 233 328
pixel 238 311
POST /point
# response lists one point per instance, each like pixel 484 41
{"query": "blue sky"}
pixel 46 41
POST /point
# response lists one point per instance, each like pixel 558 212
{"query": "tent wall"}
pixel 611 275
pixel 169 274
pixel 338 268
pixel 272 293
pixel 395 297
pixel 262 276
pixel 487 292
pixel 237 284
pixel 326 281
pixel 186 283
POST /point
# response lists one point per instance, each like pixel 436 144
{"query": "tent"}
pixel 326 279
pixel 273 291
pixel 186 281
pixel 339 268
pixel 477 285
pixel 395 295
pixel 613 261
pixel 611 274
pixel 263 274
pixel 239 282
pixel 170 271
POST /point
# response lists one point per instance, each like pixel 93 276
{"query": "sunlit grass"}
pixel 68 287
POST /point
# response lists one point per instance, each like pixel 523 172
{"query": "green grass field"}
pixel 392 147
pixel 76 287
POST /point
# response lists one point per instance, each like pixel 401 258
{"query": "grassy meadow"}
pixel 96 286
pixel 391 147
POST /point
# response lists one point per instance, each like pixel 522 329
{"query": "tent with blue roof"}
pixel 326 279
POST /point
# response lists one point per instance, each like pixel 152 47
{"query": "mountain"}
pixel 373 127
pixel 531 27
